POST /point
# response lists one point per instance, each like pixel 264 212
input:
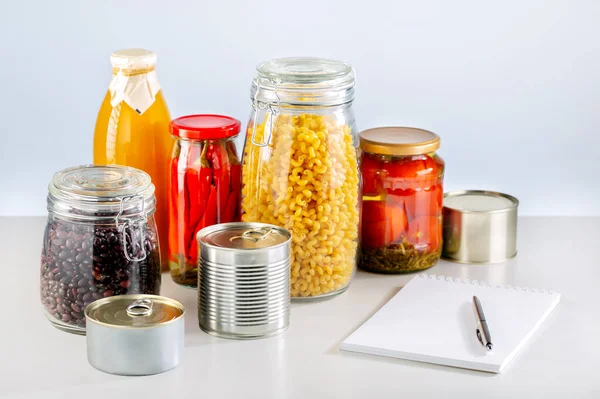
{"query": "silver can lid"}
pixel 242 235
pixel 479 201
pixel 134 311
pixel 479 226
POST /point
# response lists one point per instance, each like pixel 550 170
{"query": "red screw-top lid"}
pixel 205 127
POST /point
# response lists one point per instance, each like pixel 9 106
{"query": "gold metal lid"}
pixel 134 311
pixel 399 141
pixel 243 235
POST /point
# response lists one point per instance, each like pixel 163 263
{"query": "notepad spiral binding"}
pixel 483 283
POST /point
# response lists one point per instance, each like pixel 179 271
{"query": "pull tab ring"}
pixel 254 235
pixel 140 307
pixel 125 227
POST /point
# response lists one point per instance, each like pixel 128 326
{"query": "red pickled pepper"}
pixel 217 155
pixel 182 199
pixel 208 219
pixel 174 246
pixel 199 178
pixel 232 209
pixel 230 214
pixel 191 187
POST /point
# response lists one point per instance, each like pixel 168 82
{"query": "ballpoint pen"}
pixel 483 332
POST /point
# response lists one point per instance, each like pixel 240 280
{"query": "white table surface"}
pixel 562 360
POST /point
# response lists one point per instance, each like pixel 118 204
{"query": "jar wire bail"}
pixel 125 226
pixel 273 108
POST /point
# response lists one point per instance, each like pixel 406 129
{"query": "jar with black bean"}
pixel 100 241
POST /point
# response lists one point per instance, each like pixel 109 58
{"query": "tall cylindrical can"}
pixel 243 280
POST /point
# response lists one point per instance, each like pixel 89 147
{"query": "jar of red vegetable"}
pixel 205 182
pixel 402 180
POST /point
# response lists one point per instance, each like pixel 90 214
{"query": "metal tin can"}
pixel 479 226
pixel 135 334
pixel 244 280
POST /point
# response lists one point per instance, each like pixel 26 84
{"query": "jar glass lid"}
pixel 94 182
pixel 303 81
pixel 134 311
pixel 299 70
pixel 399 141
pixel 101 191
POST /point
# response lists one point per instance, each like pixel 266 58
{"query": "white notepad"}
pixel 432 320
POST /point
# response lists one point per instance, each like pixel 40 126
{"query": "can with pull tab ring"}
pixel 244 280
pixel 135 334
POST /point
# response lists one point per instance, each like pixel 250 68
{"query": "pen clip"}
pixel 479 337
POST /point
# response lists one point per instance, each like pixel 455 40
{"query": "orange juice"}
pixel 133 128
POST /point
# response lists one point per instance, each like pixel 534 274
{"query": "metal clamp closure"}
pixel 126 227
pixel 273 108
pixel 140 307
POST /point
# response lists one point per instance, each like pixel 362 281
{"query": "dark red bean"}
pixel 85 262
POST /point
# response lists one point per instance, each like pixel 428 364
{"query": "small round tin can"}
pixel 135 334
pixel 244 280
pixel 479 226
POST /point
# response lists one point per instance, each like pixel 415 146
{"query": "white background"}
pixel 512 87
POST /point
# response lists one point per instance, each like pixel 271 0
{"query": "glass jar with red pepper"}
pixel 402 182
pixel 205 182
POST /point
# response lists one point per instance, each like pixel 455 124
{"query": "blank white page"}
pixel 432 320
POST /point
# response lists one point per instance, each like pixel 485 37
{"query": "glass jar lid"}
pixel 104 190
pixel 134 311
pixel 399 141
pixel 303 81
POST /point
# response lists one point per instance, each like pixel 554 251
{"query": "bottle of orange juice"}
pixel 133 128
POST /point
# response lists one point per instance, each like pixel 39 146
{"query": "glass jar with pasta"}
pixel 300 168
